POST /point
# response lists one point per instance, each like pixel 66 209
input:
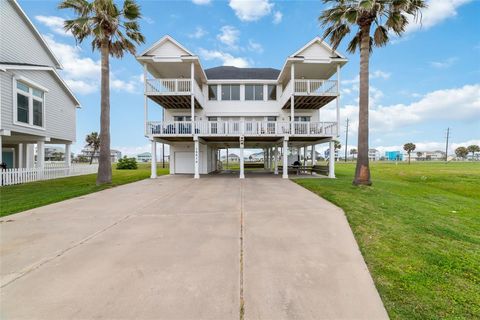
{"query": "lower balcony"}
pixel 241 128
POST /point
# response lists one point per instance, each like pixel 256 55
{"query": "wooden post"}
pixel 292 100
pixel 242 145
pixel 145 97
pixel 68 158
pixel 331 160
pixel 338 96
pixel 275 160
pixel 285 158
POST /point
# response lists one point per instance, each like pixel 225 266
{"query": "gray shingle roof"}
pixel 234 73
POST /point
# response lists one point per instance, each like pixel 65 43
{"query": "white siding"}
pixel 316 51
pixel 167 49
pixel 205 160
pixel 19 42
pixel 59 106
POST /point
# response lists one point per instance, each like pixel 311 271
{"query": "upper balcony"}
pixel 309 93
pixel 174 93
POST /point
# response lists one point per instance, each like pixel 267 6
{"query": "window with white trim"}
pixel 254 92
pixel 30 104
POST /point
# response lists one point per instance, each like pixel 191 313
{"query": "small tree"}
pixel 93 142
pixel 127 163
pixel 461 152
pixel 409 147
pixel 473 148
pixel 353 152
pixel 419 155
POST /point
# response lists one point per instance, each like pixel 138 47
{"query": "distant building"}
pixel 428 155
pixel 54 153
pixel 257 157
pixel 373 155
pixel 327 154
pixel 115 155
pixel 232 157
pixel 393 156
pixel 144 157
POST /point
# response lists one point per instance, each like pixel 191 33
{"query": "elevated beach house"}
pixel 205 110
pixel 37 107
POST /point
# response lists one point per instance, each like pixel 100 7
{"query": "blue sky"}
pixel 421 83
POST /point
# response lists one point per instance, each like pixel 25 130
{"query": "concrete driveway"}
pixel 178 248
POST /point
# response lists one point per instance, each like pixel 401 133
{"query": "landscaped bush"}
pixel 127 163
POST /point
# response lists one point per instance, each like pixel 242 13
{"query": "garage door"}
pixel 184 162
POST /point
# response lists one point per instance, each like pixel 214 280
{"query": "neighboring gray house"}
pixel 37 107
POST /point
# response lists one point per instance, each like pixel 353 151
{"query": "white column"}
pixel 338 96
pixel 242 144
pixel 25 155
pixel 40 154
pixel 227 158
pixel 275 160
pixel 145 103
pixel 268 159
pixel 285 158
pixel 304 155
pixel 331 160
pixel 314 156
pixel 292 99
pixel 192 96
pixel 21 156
pixel 196 157
pixel 68 159
pixel 153 174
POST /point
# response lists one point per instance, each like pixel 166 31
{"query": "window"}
pixel 272 92
pixel 254 92
pixel 301 119
pixel 212 92
pixel 182 118
pixel 29 104
pixel 230 92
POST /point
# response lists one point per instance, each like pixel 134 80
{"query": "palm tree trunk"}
pixel 104 162
pixel 362 171
pixel 91 157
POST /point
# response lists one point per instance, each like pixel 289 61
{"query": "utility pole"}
pixel 446 145
pixel 346 141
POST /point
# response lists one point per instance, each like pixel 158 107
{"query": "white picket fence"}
pixel 23 175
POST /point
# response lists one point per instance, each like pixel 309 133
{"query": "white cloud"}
pixel 148 20
pixel 226 58
pixel 130 86
pixel 457 104
pixel 82 87
pixel 229 35
pixel 251 10
pixel 201 2
pixel 277 17
pixel 199 33
pixel 444 63
pixel 54 23
pixel 436 12
pixel 255 46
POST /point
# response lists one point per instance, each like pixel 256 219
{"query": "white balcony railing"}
pixel 316 87
pixel 174 87
pixel 237 128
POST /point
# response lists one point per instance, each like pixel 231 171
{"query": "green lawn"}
pixel 418 228
pixel 35 194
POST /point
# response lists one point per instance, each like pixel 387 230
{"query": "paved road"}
pixel 178 248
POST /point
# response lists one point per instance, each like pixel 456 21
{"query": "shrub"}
pixel 127 163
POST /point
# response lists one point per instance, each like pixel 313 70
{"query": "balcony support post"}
pixel 285 158
pixel 192 96
pixel 292 99
pixel 145 106
pixel 275 160
pixel 304 156
pixel 331 160
pixel 196 156
pixel 153 173
pixel 314 158
pixel 338 96
pixel 242 169
pixel 227 159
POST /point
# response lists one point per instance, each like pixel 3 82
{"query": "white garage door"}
pixel 184 162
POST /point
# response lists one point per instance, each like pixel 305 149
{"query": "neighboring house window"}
pixel 230 92
pixel 30 103
pixel 254 92
pixel 212 92
pixel 272 92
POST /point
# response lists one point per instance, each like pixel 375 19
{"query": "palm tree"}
pixel 353 152
pixel 93 142
pixel 473 149
pixel 385 16
pixel 114 31
pixel 337 146
pixel 461 152
pixel 409 147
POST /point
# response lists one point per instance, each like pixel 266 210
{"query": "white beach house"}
pixel 205 110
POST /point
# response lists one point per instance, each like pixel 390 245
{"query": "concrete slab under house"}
pixel 209 110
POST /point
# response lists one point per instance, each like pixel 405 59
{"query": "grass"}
pixel 418 228
pixel 36 194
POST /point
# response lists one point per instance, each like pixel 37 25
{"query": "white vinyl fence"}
pixel 24 175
